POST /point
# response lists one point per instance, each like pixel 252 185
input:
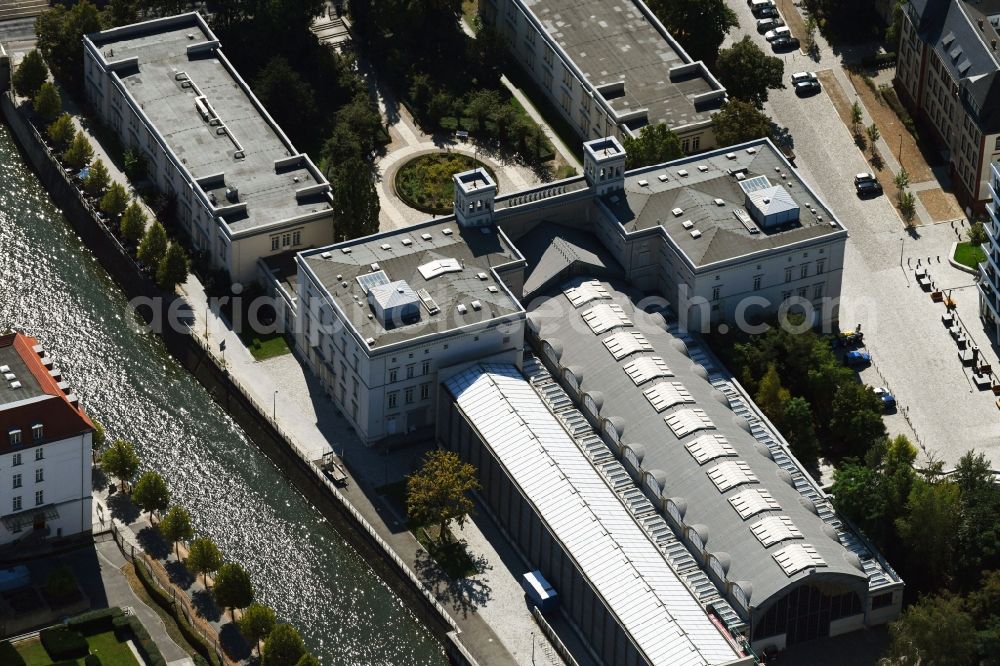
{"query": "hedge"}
pixel 62 643
pixel 9 656
pixel 92 660
pixel 95 621
pixel 147 648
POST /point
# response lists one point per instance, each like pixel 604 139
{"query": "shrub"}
pixel 95 621
pixel 92 660
pixel 9 656
pixel 62 643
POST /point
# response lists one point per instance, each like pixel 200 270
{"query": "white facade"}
pixel 989 271
pixel 46 487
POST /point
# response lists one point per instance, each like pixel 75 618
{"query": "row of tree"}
pixel 232 588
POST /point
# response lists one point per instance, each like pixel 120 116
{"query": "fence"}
pixel 179 600
pixel 553 637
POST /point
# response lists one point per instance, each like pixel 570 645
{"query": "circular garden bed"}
pixel 425 182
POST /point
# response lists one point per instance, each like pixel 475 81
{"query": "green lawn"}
pixel 104 645
pixel 267 346
pixel 969 255
pixel 425 182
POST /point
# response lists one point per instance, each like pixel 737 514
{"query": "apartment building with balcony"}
pixel 948 73
pixel 989 270
pixel 609 69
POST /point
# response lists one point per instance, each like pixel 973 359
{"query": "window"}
pixel 566 99
pixel 996 146
pixel 785 295
pixel 296 238
pixel 881 600
pixel 393 375
pixel 547 56
pixel 426 369
pixel 788 274
pixel 818 291
pixel 39 453
pixel 756 282
pixel 425 391
pixel 275 243
pixel 409 396
pixel 820 266
pixel 715 293
pixel 409 371
pixel 567 78
pixel 393 399
pixel 803 291
pixel 17 503
pixel 39 497
pixel 16 481
pixel 695 143
pixel 686 145
pixel 17 459
pixel 15 437
pixel 39 475
pixel 804 271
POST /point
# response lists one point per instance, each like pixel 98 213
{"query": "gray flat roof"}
pixel 687 479
pixel 613 41
pixel 30 388
pixel 400 254
pixel 161 48
pixel 708 179
pixel 584 514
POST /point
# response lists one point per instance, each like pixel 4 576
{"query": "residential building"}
pixel 947 73
pixel 609 69
pixel 242 190
pixel 989 270
pixel 45 447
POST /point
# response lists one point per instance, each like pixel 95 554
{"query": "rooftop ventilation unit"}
pixel 482 276
pixel 476 305
pixel 428 301
pixel 385 246
pixel 677 212
pixel 346 250
pixel 15 385
pixel 325 255
pixel 751 151
pixel 407 242
pixel 370 341
pixel 375 267
pixel 4 368
pixel 425 237
pixel 745 220
pixel 730 156
pixel 720 202
pixel 461 308
pixel 695 233
pixel 494 290
pixel 682 172
pixel 643 183
pixel 702 168
pixel 662 178
pixel 741 175
pixel 687 224
pixel 446 231
pixel 432 269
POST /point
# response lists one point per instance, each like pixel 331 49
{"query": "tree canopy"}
pixel 153 245
pixel 439 491
pixel 739 121
pixel 60 30
pixel 47 102
pixel 656 144
pixel 699 25
pixel 176 525
pixel 233 588
pixel 97 179
pixel 30 74
pixel 204 557
pixel 256 623
pixel 133 222
pixel 151 493
pixel 283 647
pixel 936 630
pixel 355 199
pixel 748 73
pixel 173 267
pixel 61 131
pixel 120 461
pixel 79 153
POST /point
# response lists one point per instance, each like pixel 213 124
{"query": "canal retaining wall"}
pixel 191 352
pixel 4 70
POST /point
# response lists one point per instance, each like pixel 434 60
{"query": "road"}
pixel 912 352
pixel 18 35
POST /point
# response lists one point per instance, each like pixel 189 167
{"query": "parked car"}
pixel 783 31
pixel 799 77
pixel 803 88
pixel 784 43
pixel 765 24
pixel 856 357
pixel 765 11
pixel 888 400
pixel 850 337
pixel 866 185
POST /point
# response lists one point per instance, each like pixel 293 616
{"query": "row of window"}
pixel 393 396
pixel 37 434
pixel 39 500
pixel 803 292
pixel 286 239
pixel 39 478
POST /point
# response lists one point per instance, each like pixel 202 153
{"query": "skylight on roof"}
pixel 433 269
pixel 709 447
pixel 687 421
pixel 645 368
pixel 591 290
pixel 667 394
pixel 370 280
pixel 770 530
pixel 731 473
pixel 797 557
pixel 624 343
pixel 605 317
pixel 751 501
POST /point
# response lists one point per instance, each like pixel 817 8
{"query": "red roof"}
pixel 59 417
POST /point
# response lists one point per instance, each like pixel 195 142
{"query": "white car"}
pixel 802 77
pixel 772 35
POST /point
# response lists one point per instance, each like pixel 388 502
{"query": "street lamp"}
pixel 274 407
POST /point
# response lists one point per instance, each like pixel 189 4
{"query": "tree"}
pixel 656 144
pixel 438 492
pixel 798 428
pixel 482 105
pixel 307 660
pixel 355 199
pixel 120 461
pixel 926 531
pixel 856 423
pixel 907 207
pixel 977 233
pixel 289 98
pixel 856 116
pixel 747 72
pixel 114 201
pixel 256 623
pixel 97 179
pixel 30 74
pixel 810 28
pixel 78 155
pixel 60 32
pixel 902 179
pixel 134 164
pixel 172 269
pixel 699 25
pixel 61 131
pixel 977 535
pixel 873 134
pixel 133 223
pixel 771 395
pixel 151 493
pixel 233 588
pixel 738 121
pixel 153 245
pixel 97 440
pixel 47 102
pixel 854 494
pixel 204 557
pixel 176 527
pixel 936 630
pixel 283 647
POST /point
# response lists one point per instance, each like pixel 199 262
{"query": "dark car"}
pixel 866 185
pixel 785 44
pixel 765 24
pixel 767 11
pixel 857 358
pixel 809 87
pixel 888 399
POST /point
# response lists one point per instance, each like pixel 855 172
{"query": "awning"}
pixel 18 521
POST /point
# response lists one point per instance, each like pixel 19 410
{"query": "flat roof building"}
pixel 243 191
pixel 610 68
